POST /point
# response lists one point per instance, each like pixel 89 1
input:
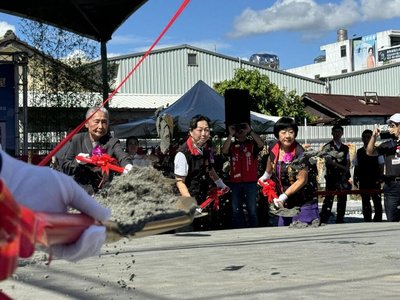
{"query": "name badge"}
pixel 396 161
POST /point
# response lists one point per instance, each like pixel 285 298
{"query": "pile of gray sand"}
pixel 141 196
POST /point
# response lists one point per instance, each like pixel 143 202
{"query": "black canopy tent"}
pixel 95 19
pixel 199 99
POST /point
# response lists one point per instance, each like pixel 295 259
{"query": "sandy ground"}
pixel 227 264
pixel 338 261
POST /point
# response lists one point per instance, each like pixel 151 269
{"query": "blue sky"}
pixel 292 29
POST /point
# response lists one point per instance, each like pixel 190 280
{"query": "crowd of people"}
pixel 196 167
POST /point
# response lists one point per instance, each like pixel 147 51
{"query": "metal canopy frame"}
pixel 20 62
pixel 94 19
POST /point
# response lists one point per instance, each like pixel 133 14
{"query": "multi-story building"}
pixel 356 54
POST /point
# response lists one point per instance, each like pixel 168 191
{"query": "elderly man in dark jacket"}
pixel 97 140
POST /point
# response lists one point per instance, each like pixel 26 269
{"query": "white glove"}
pixel 44 189
pixel 88 244
pixel 220 184
pixel 86 155
pixel 127 168
pixel 280 201
pixel 265 176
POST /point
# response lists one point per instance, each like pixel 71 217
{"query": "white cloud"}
pixel 113 54
pixel 375 9
pixel 127 40
pixel 312 18
pixel 4 26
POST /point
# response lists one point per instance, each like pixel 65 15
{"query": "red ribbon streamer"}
pixel 105 162
pixel 268 189
pixel 48 157
pixel 213 196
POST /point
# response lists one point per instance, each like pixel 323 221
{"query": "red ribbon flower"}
pixel 104 161
pixel 268 189
pixel 213 196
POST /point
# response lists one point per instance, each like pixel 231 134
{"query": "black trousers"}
pixel 366 202
pixel 328 203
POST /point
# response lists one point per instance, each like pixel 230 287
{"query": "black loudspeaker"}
pixel 237 106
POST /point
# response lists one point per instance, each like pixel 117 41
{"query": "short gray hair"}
pixel 93 109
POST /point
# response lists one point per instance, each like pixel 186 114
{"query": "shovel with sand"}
pixel 21 229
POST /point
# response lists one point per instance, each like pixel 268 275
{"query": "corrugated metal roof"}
pixel 345 105
pixel 383 80
pixel 186 46
pixel 143 101
pixel 166 71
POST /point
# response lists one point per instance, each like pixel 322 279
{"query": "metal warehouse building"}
pixel 174 70
pixel 168 73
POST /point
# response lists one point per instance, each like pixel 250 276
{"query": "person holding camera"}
pixel 390 149
pixel 243 146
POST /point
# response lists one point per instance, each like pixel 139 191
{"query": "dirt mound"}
pixel 141 196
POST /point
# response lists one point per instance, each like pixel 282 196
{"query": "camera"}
pixel 240 126
pixel 384 134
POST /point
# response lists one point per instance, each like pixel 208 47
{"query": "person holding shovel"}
pixel 295 185
pixel 43 189
pixel 193 163
pixel 96 142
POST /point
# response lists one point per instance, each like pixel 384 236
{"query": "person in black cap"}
pixel 390 149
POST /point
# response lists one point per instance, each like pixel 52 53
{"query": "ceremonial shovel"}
pixel 21 228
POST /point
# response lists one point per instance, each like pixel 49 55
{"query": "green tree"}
pixel 268 97
pixel 61 76
pixel 58 71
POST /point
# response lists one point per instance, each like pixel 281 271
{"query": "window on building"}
pixel 343 51
pixel 344 71
pixel 394 40
pixel 192 59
